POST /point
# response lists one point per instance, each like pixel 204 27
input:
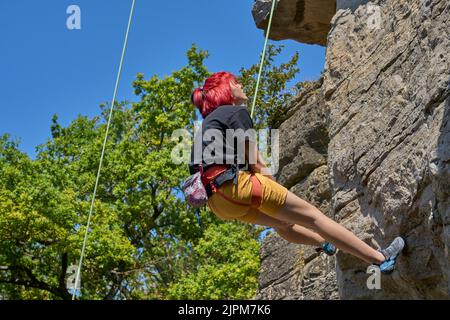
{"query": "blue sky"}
pixel 46 69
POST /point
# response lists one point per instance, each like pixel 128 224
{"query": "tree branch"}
pixel 62 275
pixel 18 278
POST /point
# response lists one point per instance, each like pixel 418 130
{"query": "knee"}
pixel 300 212
pixel 317 222
pixel 284 228
pixel 285 232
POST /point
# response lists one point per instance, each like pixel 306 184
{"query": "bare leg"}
pixel 298 211
pixel 301 235
pixel 290 232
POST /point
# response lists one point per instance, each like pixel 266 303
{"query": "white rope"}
pixel 103 151
pixel 263 57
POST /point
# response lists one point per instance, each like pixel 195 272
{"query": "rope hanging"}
pixel 263 57
pixel 103 150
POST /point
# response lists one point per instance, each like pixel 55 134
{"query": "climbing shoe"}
pixel 328 248
pixel 391 253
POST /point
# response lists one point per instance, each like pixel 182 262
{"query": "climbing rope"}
pixel 103 150
pixel 263 56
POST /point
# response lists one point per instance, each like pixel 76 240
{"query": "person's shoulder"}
pixel 240 111
pixel 240 108
pixel 226 109
pixel 236 110
pixel 220 110
pixel 227 112
pixel 223 112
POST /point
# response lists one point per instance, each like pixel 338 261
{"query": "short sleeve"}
pixel 241 120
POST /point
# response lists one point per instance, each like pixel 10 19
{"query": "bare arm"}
pixel 250 149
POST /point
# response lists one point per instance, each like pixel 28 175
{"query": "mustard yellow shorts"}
pixel 273 198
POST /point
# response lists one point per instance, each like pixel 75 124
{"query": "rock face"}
pixel 306 21
pixel 386 100
pixel 386 85
pixel 288 270
pixel 350 4
pixel 295 272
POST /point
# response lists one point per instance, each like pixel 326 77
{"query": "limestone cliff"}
pixel 370 146
pixel 307 21
pixel 292 271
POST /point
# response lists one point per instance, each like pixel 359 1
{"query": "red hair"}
pixel 215 92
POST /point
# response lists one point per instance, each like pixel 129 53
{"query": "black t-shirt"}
pixel 215 125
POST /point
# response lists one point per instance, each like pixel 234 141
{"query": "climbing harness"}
pixel 216 175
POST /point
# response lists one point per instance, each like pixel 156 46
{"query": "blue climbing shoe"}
pixel 328 248
pixel 391 253
pixel 388 265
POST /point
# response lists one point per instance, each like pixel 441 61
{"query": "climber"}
pixel 238 191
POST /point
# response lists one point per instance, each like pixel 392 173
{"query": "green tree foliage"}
pixel 225 261
pixel 273 93
pixel 144 241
